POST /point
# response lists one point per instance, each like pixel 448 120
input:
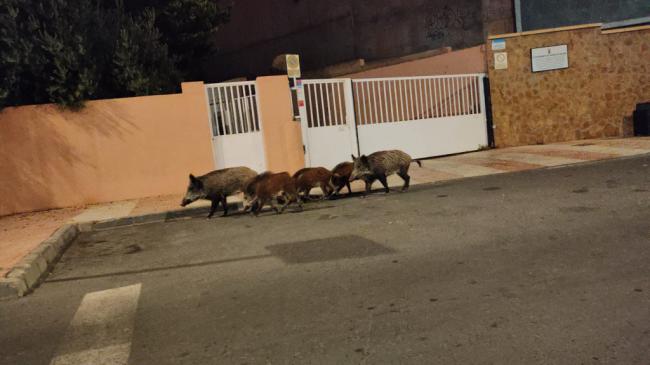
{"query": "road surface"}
pixel 540 267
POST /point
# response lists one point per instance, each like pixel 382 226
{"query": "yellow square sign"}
pixel 293 66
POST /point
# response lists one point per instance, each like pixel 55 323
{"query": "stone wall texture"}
pixel 608 74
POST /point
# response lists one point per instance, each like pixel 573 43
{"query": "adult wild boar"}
pixel 380 165
pixel 217 186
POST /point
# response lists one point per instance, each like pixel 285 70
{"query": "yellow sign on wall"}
pixel 293 66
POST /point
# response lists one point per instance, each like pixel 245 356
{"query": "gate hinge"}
pixel 304 150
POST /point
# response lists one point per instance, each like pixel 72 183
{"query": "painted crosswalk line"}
pixel 101 330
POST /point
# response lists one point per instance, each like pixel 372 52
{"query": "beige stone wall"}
pixel 608 74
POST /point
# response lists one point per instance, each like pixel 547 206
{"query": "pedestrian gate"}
pixel 236 125
pixel 328 129
pixel 423 116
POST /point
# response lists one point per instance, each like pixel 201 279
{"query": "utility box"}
pixel 642 120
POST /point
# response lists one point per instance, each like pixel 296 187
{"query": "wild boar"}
pixel 309 178
pixel 341 176
pixel 217 186
pixel 267 187
pixel 380 165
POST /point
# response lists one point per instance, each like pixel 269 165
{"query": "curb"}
pixel 29 272
pixel 25 276
pixel 150 218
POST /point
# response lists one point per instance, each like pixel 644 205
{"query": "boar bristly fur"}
pixel 216 186
pixel 341 177
pixel 380 165
pixel 270 188
pixel 312 177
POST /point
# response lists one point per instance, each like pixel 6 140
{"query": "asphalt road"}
pixel 540 267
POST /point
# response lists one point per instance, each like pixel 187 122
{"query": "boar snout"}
pixel 185 202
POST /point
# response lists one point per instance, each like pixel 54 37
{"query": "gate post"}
pixel 304 125
pixel 282 140
pixel 351 118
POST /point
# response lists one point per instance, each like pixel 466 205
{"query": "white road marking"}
pixel 100 331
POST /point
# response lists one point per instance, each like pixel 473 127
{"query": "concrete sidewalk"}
pixel 22 233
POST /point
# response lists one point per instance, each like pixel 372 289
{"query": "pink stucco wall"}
pixel 111 150
pixel 282 135
pixel 469 60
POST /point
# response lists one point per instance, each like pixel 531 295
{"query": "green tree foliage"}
pixel 189 26
pixel 68 51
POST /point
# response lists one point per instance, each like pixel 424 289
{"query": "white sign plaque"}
pixel 500 60
pixel 550 58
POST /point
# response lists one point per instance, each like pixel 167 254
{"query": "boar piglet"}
pixel 270 188
pixel 312 177
pixel 341 176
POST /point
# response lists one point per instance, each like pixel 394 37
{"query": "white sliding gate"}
pixel 236 125
pixel 327 121
pixel 423 116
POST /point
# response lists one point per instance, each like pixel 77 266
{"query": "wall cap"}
pixel 627 29
pixel 543 31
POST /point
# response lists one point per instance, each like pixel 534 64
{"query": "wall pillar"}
pixel 282 136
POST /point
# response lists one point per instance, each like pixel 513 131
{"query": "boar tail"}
pixel 418 162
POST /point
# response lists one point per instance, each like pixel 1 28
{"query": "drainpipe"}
pixel 518 15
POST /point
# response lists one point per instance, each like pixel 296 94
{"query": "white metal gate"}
pixel 423 116
pixel 327 121
pixel 236 125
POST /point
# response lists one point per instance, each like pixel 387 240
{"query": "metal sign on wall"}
pixel 293 66
pixel 550 58
pixel 500 60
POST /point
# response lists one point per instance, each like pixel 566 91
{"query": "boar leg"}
pixel 287 200
pixel 274 207
pixel 407 179
pixel 347 183
pixel 250 205
pixel 326 191
pixel 224 204
pixel 368 186
pixel 382 179
pixel 260 204
pixel 330 189
pixel 213 207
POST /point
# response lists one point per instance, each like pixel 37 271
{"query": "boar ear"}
pixel 353 158
pixel 364 159
pixel 195 181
